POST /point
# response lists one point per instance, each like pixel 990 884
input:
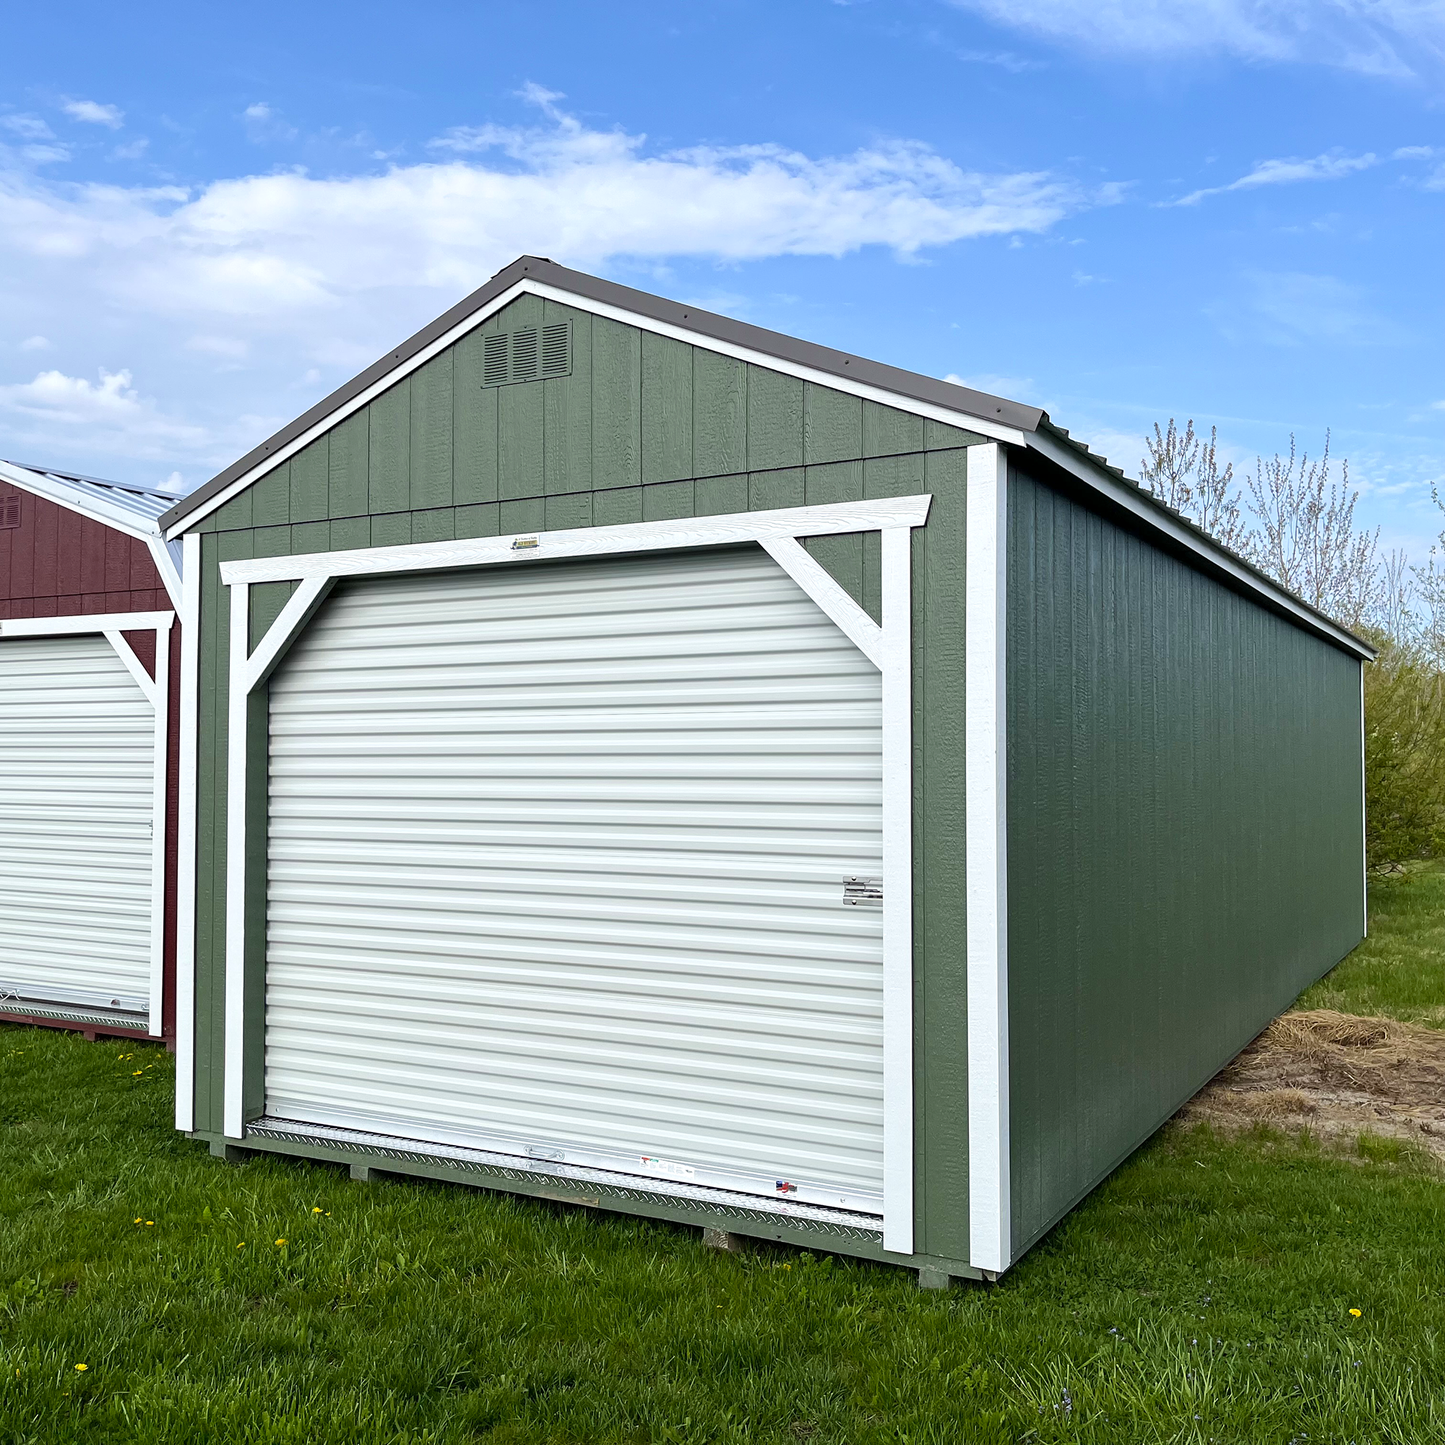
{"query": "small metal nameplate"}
pixel 523 544
pixel 863 892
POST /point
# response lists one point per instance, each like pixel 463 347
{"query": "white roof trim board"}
pixel 1023 427
pixel 127 507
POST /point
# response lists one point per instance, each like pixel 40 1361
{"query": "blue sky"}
pixel 1121 211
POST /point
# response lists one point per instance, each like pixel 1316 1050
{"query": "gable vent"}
pixel 528 354
pixel 10 511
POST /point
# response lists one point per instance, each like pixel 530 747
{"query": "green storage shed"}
pixel 650 761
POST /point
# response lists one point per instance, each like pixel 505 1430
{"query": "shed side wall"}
pixel 644 428
pixel 1184 820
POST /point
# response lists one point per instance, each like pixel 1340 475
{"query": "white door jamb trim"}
pixel 888 647
pixel 815 579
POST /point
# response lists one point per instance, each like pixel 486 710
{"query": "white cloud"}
pixel 1328 167
pixel 263 123
pixel 110 410
pixel 132 150
pixel 1294 307
pixel 1382 37
pixel 36 343
pixel 269 277
pixel 27 127
pixel 94 113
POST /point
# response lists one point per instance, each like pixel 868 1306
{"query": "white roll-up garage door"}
pixel 77 760
pixel 557 866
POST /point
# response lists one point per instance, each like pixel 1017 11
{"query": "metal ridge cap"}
pixel 706 323
pixel 1200 541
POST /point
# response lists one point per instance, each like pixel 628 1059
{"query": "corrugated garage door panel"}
pixel 77 753
pixel 557 857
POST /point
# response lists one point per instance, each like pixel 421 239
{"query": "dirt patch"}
pixel 1338 1075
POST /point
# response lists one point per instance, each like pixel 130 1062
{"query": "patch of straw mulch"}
pixel 1337 1075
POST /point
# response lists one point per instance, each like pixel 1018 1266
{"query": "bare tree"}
pixel 1183 471
pixel 1306 538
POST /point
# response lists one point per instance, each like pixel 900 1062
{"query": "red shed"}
pixel 90 655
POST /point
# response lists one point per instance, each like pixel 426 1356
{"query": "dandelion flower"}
pixel 82 1368
pixel 242 1245
pixel 318 1210
pixel 279 1243
pixel 149 1222
pixel 1356 1313
pixel 136 1073
pixel 139 1221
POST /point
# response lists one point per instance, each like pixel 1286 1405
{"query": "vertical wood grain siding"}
pixel 1184 823
pixel 644 428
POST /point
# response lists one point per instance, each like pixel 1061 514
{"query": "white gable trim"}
pixel 114 517
pixel 528 286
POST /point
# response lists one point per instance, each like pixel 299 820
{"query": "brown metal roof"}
pixel 705 323
pixel 945 394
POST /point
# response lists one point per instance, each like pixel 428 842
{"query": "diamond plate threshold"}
pixel 515 1166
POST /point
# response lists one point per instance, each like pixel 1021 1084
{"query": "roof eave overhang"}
pixel 991 416
pixel 95 509
pixel 86 506
pixel 1048 442
pixel 994 417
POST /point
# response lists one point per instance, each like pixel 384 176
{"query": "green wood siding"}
pixel 1184 836
pixel 644 428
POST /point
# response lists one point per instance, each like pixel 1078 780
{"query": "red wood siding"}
pixel 57 563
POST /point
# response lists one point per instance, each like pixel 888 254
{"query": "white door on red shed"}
pixel 558 862
pixel 77 785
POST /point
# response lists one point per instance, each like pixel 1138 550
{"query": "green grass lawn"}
pixel 1203 1294
pixel 1399 970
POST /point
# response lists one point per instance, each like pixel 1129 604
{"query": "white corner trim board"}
pixel 186 836
pixel 111 625
pixel 889 647
pixel 985 760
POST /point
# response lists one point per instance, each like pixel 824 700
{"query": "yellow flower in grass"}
pixel 139 1221
pixel 280 1243
pixel 82 1368
pixel 318 1210
pixel 242 1245
pixel 1356 1313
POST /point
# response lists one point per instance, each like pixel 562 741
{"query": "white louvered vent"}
pixel 528 354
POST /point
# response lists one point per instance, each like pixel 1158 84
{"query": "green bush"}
pixel 1404 756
